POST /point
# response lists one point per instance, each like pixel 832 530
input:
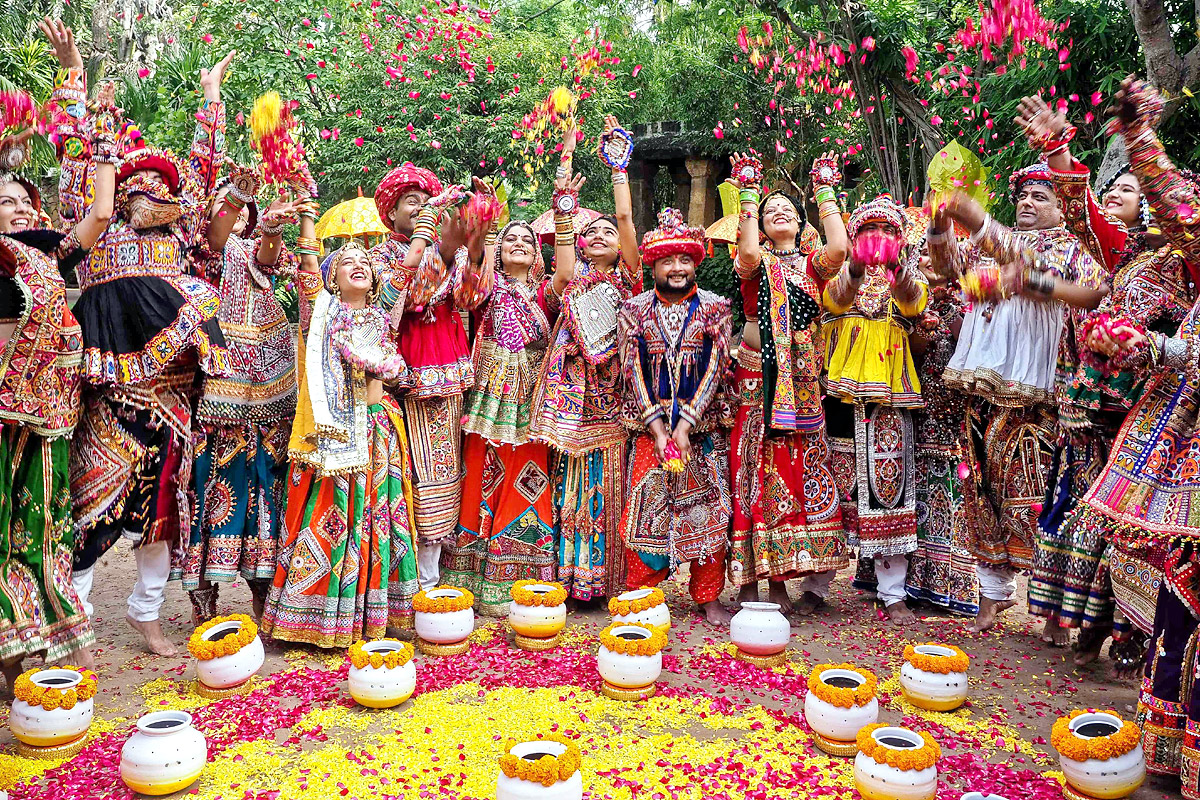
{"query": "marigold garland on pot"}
pixel 524 596
pixel 836 695
pixel 943 665
pixel 633 647
pixel 623 608
pixel 361 658
pixel 50 698
pixel 906 759
pixel 1101 748
pixel 205 650
pixel 425 604
pixel 547 770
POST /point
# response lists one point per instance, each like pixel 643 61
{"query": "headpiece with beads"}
pixel 673 236
pixel 1034 173
pixel 882 209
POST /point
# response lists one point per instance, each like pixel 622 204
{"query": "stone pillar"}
pixel 683 188
pixel 641 190
pixel 702 205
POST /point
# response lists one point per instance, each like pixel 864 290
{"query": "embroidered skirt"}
pixel 942 570
pixel 241 479
pixel 786 517
pixel 347 564
pixel 506 525
pixel 39 612
pixel 435 447
pixel 589 493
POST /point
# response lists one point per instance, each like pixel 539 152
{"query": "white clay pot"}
pixel 165 755
pixel 232 670
pixel 876 781
pixel 537 622
pixel 519 789
pixel 835 722
pixel 759 629
pixel 382 687
pixel 36 726
pixel 448 627
pixel 659 616
pixel 625 671
pixel 1108 780
pixel 933 691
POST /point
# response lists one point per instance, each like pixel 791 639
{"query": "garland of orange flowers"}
pixel 442 605
pixel 50 698
pixel 623 608
pixel 837 696
pixel 1100 748
pixel 907 759
pixel 206 651
pixel 360 657
pixel 547 770
pixel 943 665
pixel 633 647
pixel 523 596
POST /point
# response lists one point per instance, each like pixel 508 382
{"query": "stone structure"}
pixel 695 175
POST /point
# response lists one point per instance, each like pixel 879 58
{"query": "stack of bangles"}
pixel 426 227
pixel 1038 281
pixel 1052 146
pixel 619 176
pixel 827 205
pixel 307 246
pixel 564 231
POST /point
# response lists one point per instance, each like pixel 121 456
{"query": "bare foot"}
pixel 84 659
pixel 156 642
pixel 777 593
pixel 1089 644
pixel 989 612
pixel 808 603
pixel 1128 657
pixel 257 604
pixel 900 613
pixel 748 593
pixel 1055 634
pixel 716 614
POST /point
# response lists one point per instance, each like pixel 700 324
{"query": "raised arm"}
pixel 827 259
pixel 746 177
pixel 616 149
pixel 208 141
pixel 71 140
pixel 105 120
pixel 244 184
pixel 433 222
pixel 564 233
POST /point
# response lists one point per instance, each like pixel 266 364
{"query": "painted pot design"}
pixel 1111 778
pixel 760 629
pixel 933 691
pixel 537 622
pixel 628 671
pixel 835 722
pixel 881 781
pixel 224 672
pixel 40 727
pixel 166 754
pixel 656 613
pixel 382 687
pixel 446 627
pixel 520 789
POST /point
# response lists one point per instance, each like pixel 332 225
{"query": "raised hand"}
pixel 1136 104
pixel 62 40
pixel 746 171
pixel 211 79
pixel 569 185
pixel 1040 122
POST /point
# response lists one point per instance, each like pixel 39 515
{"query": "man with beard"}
pixel 1016 339
pixel 674 351
pixel 871 386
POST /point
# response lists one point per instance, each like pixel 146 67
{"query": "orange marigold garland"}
pixel 361 658
pixel 206 650
pixel 524 596
pixel 547 770
pixel 1100 748
pixel 907 759
pixel 50 698
pixel 623 608
pixel 943 665
pixel 837 696
pixel 633 647
pixel 442 605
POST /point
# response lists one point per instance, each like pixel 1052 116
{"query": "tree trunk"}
pixel 102 14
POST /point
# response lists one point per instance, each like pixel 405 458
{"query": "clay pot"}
pixel 759 629
pixel 449 627
pixel 235 669
pixel 876 781
pixel 382 687
pixel 933 691
pixel 835 722
pixel 518 789
pixel 36 726
pixel 165 755
pixel 659 615
pixel 537 622
pixel 1110 779
pixel 626 671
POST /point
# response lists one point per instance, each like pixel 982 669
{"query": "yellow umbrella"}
pixel 356 217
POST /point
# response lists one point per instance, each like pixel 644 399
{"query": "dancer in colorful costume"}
pixel 872 387
pixel 506 526
pixel 148 329
pixel 786 518
pixel 348 560
pixel 674 344
pixel 577 403
pixel 1014 341
pixel 244 420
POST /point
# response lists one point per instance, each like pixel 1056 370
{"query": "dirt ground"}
pixel 1015 678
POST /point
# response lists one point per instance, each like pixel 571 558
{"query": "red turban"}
pixel 397 182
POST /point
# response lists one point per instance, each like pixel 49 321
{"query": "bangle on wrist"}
pixel 749 195
pixel 825 194
pixel 620 177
